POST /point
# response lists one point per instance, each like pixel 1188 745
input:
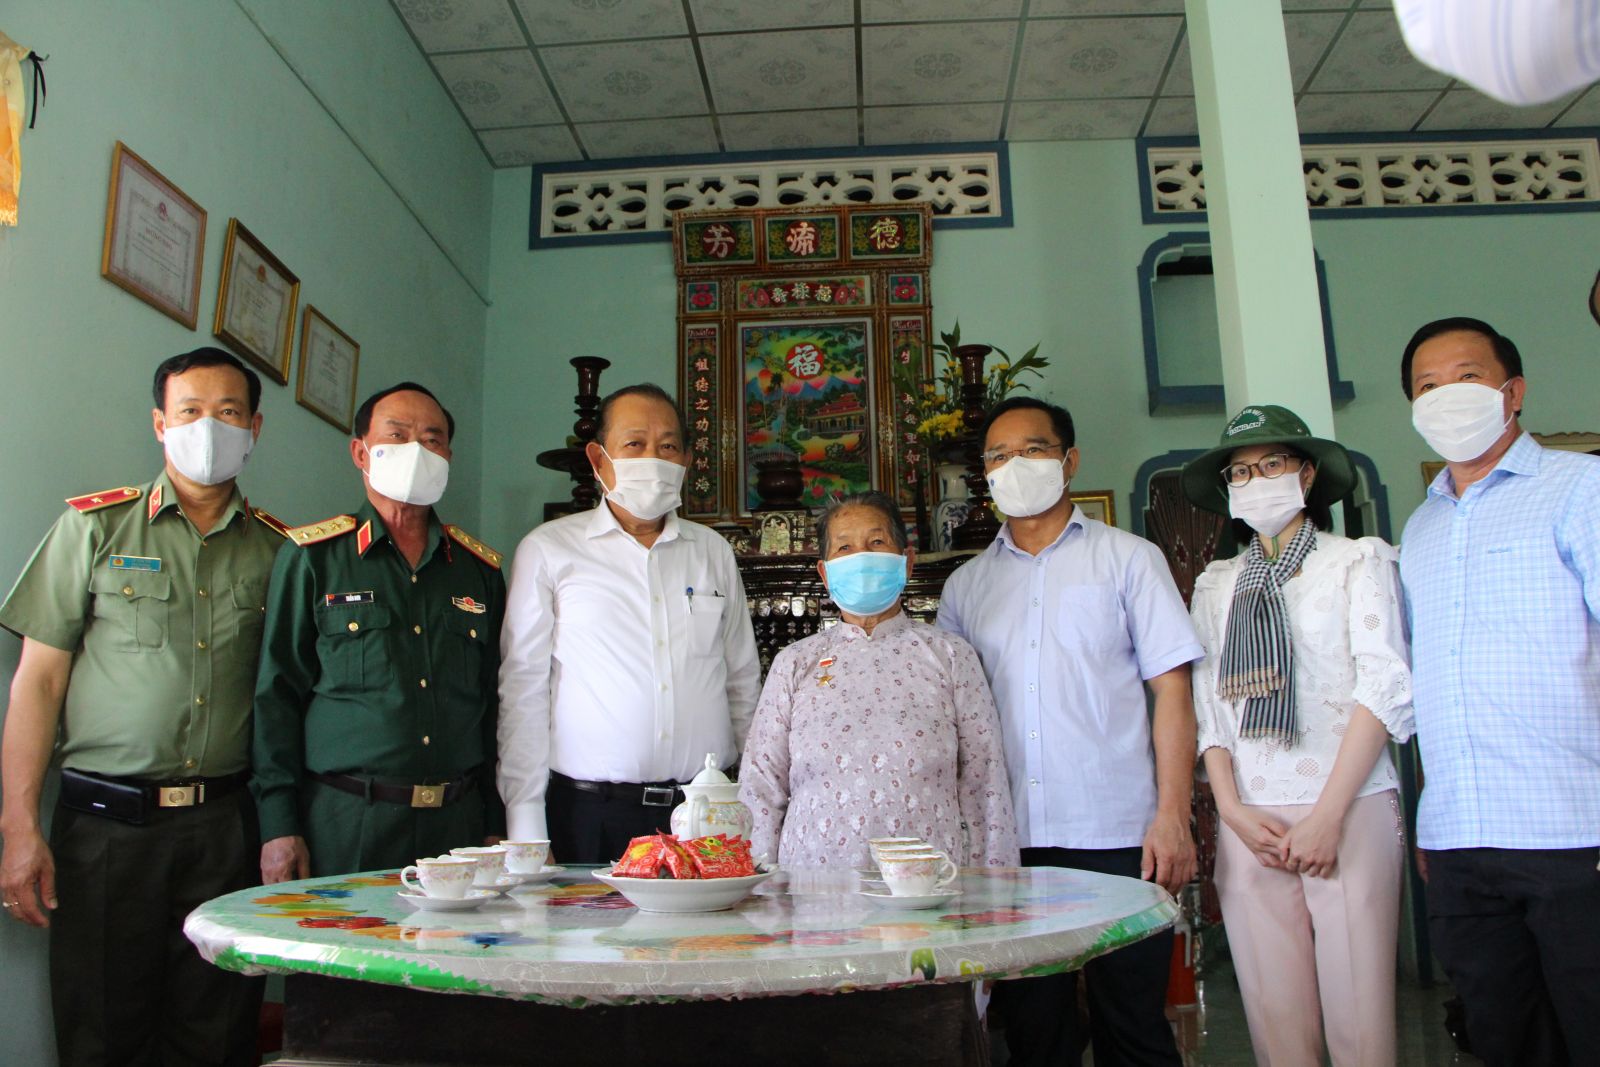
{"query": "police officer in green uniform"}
pixel 376 702
pixel 140 617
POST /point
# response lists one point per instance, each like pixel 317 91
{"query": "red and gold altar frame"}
pixel 804 330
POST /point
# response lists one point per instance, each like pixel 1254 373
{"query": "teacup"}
pixel 526 857
pixel 491 861
pixel 876 845
pixel 442 876
pixel 917 874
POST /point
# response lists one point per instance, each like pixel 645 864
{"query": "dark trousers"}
pixel 346 833
pixel 127 986
pixel 590 828
pixel 1518 932
pixel 1126 990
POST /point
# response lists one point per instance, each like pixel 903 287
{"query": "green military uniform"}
pixel 376 706
pixel 165 629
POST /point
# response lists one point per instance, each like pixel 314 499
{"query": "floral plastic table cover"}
pixel 575 942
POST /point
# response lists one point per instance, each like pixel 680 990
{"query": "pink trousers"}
pixel 1317 955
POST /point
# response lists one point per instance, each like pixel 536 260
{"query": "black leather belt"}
pixel 649 794
pixel 426 795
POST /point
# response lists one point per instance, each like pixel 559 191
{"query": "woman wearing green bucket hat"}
pixel 1305 680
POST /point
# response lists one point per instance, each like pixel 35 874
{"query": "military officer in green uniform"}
pixel 376 702
pixel 140 617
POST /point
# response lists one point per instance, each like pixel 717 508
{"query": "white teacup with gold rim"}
pixel 917 874
pixel 876 845
pixel 443 876
pixel 526 857
pixel 491 861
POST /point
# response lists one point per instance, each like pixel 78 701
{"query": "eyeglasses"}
pixel 1000 455
pixel 1273 466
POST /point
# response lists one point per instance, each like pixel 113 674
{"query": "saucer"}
pixel 536 877
pixel 474 899
pixel 906 902
pixel 502 885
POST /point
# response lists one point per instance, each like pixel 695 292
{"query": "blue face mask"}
pixel 866 583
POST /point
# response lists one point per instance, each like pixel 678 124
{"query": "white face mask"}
pixel 1267 504
pixel 408 473
pixel 1023 487
pixel 1461 421
pixel 208 451
pixel 646 488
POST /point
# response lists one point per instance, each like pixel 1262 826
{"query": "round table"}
pixel 575 943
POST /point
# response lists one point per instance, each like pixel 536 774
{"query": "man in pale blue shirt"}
pixel 1072 620
pixel 1501 569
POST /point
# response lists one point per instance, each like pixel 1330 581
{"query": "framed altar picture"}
pixel 328 360
pixel 256 303
pixel 155 238
pixel 1430 471
pixel 1096 504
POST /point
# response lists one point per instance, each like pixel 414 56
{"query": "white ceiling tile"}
pixel 717 16
pixel 1308 37
pixel 532 144
pixel 790 129
pixel 1093 57
pixel 1104 7
pixel 1468 109
pixel 1586 112
pixel 562 21
pixel 782 71
pixel 1361 112
pixel 933 125
pixel 639 79
pixel 1074 120
pixel 1173 116
pixel 937 10
pixel 656 137
pixel 1371 54
pixel 931 63
pixel 498 88
pixel 452 25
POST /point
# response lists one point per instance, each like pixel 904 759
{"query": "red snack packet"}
pixel 655 856
pixel 720 856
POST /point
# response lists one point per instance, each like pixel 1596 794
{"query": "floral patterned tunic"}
pixel 892 734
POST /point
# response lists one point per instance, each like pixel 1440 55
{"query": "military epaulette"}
pixel 473 545
pixel 104 499
pixel 321 531
pixel 270 521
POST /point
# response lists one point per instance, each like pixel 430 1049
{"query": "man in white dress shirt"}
pixel 627 652
pixel 1073 620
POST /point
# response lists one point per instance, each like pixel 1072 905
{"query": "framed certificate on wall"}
pixel 327 381
pixel 256 303
pixel 155 238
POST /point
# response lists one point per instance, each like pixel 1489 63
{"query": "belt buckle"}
pixel 427 796
pixel 180 796
pixel 658 796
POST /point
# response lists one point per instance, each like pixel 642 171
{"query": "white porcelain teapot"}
pixel 712 806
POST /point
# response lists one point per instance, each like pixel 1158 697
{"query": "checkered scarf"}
pixel 1257 654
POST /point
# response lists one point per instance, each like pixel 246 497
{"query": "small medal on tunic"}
pixel 825 679
pixel 467 604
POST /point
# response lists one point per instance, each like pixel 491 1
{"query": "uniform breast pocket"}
pixel 353 647
pixel 248 603
pixel 705 623
pixel 1089 619
pixel 134 607
pixel 466 643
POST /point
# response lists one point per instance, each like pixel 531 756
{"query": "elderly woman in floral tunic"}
pixel 879 727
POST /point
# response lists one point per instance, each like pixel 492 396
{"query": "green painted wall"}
pixel 1064 274
pixel 198 90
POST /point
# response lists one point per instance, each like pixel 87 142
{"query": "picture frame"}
pixel 155 238
pixel 256 303
pixel 329 362
pixel 1097 504
pixel 1430 471
pixel 1570 441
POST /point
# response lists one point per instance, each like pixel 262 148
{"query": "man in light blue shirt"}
pixel 1501 568
pixel 1072 620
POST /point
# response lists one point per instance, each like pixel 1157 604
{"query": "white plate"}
pixel 475 898
pixel 681 897
pixel 908 902
pixel 537 877
pixel 503 885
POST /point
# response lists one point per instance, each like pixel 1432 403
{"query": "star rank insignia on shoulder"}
pixel 269 520
pixel 327 529
pixel 473 545
pixel 104 499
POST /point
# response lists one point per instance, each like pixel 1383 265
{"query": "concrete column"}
pixel 1269 311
